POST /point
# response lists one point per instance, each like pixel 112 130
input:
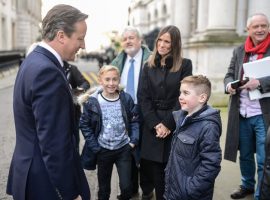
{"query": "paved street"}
pixel 226 182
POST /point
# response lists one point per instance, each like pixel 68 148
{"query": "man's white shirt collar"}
pixel 137 56
pixel 50 49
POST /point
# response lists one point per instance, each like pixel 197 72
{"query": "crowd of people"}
pixel 149 117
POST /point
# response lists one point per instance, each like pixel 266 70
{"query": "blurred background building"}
pixel 19 23
pixel 19 28
pixel 210 29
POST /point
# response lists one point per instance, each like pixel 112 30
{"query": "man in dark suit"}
pixel 45 163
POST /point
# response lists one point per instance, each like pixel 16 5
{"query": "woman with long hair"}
pixel 159 97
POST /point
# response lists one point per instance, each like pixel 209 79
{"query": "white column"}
pixel 202 17
pixel 259 6
pixel 241 17
pixel 222 15
pixel 182 15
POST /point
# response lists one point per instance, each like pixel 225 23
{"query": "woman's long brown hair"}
pixel 176 47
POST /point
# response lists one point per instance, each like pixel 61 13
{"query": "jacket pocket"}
pixel 88 158
pixel 185 146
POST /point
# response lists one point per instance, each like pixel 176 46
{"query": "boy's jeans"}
pixel 252 135
pixel 105 161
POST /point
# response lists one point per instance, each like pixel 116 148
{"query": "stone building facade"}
pixel 210 29
pixel 19 23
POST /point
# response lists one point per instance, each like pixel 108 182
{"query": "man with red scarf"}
pixel 248 119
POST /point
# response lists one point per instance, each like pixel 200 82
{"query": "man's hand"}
pixel 230 90
pixel 132 145
pixel 252 84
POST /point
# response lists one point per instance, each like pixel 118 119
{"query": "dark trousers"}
pixel 134 176
pixel 105 161
pixel 152 177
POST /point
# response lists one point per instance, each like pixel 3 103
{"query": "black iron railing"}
pixel 11 58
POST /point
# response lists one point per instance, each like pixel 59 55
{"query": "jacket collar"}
pixel 48 54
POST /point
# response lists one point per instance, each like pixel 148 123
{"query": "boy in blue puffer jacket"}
pixel 195 157
pixel 110 126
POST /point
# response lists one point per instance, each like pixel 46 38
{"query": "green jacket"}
pixel 119 61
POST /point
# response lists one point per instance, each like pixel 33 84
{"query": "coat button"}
pixel 267 166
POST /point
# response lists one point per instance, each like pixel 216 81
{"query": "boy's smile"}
pixel 189 100
pixel 109 81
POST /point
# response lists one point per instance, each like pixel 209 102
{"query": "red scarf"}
pixel 260 49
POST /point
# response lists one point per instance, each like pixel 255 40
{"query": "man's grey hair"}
pixel 249 20
pixel 131 29
pixel 61 17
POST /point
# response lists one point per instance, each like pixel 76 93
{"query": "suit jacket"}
pixel 75 77
pixel 45 164
pixel 120 60
pixel 234 73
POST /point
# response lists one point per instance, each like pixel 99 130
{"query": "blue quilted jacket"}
pixel 195 156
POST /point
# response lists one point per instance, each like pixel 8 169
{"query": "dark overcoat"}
pixel 158 97
pixel 234 73
pixel 45 163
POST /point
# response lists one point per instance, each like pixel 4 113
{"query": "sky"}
pixel 103 16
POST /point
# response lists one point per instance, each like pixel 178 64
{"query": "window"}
pixel 164 10
pixel 156 14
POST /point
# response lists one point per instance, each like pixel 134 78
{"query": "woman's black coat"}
pixel 158 97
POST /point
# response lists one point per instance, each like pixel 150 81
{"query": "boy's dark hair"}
pixel 202 84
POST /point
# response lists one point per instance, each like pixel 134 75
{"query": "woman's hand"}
pixel 78 198
pixel 162 131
